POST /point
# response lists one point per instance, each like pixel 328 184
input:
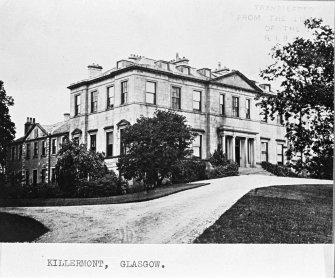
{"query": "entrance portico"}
pixel 239 147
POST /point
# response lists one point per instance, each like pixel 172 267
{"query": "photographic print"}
pixel 154 130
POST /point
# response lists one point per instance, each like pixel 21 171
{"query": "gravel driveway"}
pixel 178 218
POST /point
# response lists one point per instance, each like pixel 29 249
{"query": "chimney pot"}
pixel 27 125
pixel 33 120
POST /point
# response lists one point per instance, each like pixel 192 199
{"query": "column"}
pixel 233 148
pixel 245 151
pixel 223 144
pixel 253 153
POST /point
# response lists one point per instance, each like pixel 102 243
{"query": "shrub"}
pixel 320 167
pixel 278 170
pixel 33 191
pixel 188 171
pixel 153 145
pixel 108 185
pixel 218 158
pixel 223 171
pixel 75 164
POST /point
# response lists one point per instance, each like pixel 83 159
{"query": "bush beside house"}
pixel 278 170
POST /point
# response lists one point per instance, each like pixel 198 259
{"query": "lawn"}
pixel 16 228
pixel 276 214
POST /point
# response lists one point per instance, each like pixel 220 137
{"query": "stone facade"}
pixel 219 105
pixel 31 159
pixel 150 85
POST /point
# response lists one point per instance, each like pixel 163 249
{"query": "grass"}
pixel 127 198
pixel 16 228
pixel 277 214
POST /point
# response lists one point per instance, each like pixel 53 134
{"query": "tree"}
pixel 306 98
pixel 154 145
pixel 7 127
pixel 76 164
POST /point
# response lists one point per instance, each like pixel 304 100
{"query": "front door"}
pixel 237 151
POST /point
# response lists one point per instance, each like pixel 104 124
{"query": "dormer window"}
pixel 184 69
pixel 162 64
pixel 204 72
pixel 123 64
pixel 265 87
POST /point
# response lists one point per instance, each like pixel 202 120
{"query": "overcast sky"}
pixel 46 45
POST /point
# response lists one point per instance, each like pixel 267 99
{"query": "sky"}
pixel 47 45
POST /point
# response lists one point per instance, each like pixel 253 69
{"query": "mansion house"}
pixel 219 105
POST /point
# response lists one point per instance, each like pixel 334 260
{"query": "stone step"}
pixel 253 171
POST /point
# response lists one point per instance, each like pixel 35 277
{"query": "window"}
pixel 43 147
pixel 236 106
pixel 53 175
pixel 34 177
pixel 53 146
pixel 122 146
pixel 76 140
pixel 27 177
pixel 247 109
pixel 28 151
pixel 175 97
pixel 222 104
pixel 94 101
pixel 109 143
pixel 110 97
pixel 65 139
pixel 197 100
pixel 124 92
pixel 13 153
pixel 43 175
pixel 150 95
pixel 20 176
pixel 93 139
pixel 196 146
pixel 35 149
pixel 20 151
pixel 76 105
pixel 36 132
pixel 264 151
pixel 280 154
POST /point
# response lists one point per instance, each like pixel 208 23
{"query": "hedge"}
pixel 223 171
pixel 188 171
pixel 278 170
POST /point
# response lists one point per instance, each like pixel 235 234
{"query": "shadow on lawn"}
pixel 276 214
pixel 17 228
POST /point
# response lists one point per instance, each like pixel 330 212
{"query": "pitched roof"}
pixel 60 127
pixel 53 129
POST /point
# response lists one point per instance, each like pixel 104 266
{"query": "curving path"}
pixel 178 218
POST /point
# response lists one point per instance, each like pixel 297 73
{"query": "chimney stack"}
pixel 66 117
pixel 94 70
pixel 28 124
